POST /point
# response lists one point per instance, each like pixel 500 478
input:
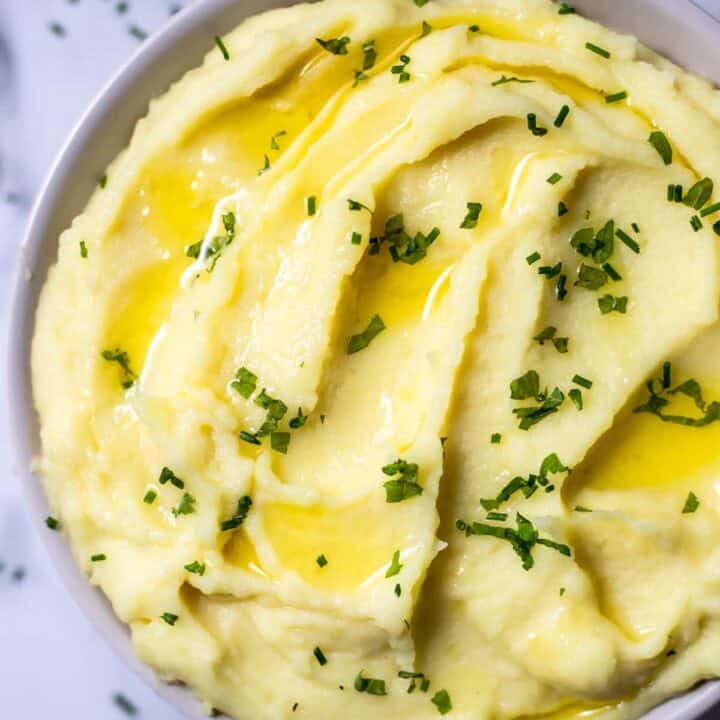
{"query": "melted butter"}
pixel 642 452
pixel 240 552
pixel 576 711
pixel 352 539
pixel 402 293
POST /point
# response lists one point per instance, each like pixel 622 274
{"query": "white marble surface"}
pixel 52 664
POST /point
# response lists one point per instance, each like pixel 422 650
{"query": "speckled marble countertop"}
pixel 55 55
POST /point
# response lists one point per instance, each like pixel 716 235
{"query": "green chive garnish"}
pixel 597 50
pixel 221 47
pixel 658 140
pixel 562 115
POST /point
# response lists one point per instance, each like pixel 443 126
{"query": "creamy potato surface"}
pixel 381 375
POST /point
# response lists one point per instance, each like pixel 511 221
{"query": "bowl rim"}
pixel 26 286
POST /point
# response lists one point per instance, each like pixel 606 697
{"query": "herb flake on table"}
pixel 125 705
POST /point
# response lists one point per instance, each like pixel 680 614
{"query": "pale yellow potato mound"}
pixel 334 299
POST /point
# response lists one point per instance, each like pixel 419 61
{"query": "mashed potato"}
pixel 342 374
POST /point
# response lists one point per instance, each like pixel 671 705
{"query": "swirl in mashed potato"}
pixel 342 375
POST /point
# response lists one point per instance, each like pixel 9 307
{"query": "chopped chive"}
pixel 560 290
pixel 691 504
pixel 667 375
pixel 57 29
pixel 243 508
pixel 612 273
pixel 636 227
pixel 610 303
pixel 168 476
pixel 582 509
pixel 562 209
pixel 473 214
pixel 658 140
pixel 395 565
pixel 186 506
pixel 427 29
pixel 716 227
pixel 274 145
pixel 398 590
pixel 83 249
pixel 196 568
pixel 356 238
pixel 627 240
pixel 150 497
pixel 505 79
pixel 710 210
pixel 320 656
pixel 311 205
pixel 102 182
pixel 245 382
pixel 597 50
pixel 401 69
pixel 699 194
pixel 362 340
pixel 221 47
pixel 562 115
pixel 442 702
pixel 100 557
pixel 336 46
pixel 496 438
pixel 616 97
pixel 533 127
pixel 554 179
pixel 138 33
pixel 356 206
pixel 696 223
pixel 280 441
pixel 125 705
pixel 52 522
pixel 576 396
pixel 321 560
pixel 566 9
pixel 371 686
pixel 265 167
pixel 169 618
pixel 533 258
pixel 497 516
pixel 404 484
pixel 582 382
pixel 550 271
pixel 250 438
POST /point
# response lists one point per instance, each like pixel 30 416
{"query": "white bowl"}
pixel 675 28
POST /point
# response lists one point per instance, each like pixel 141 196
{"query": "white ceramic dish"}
pixel 676 28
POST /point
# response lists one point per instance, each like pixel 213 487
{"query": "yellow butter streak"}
pixel 356 541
